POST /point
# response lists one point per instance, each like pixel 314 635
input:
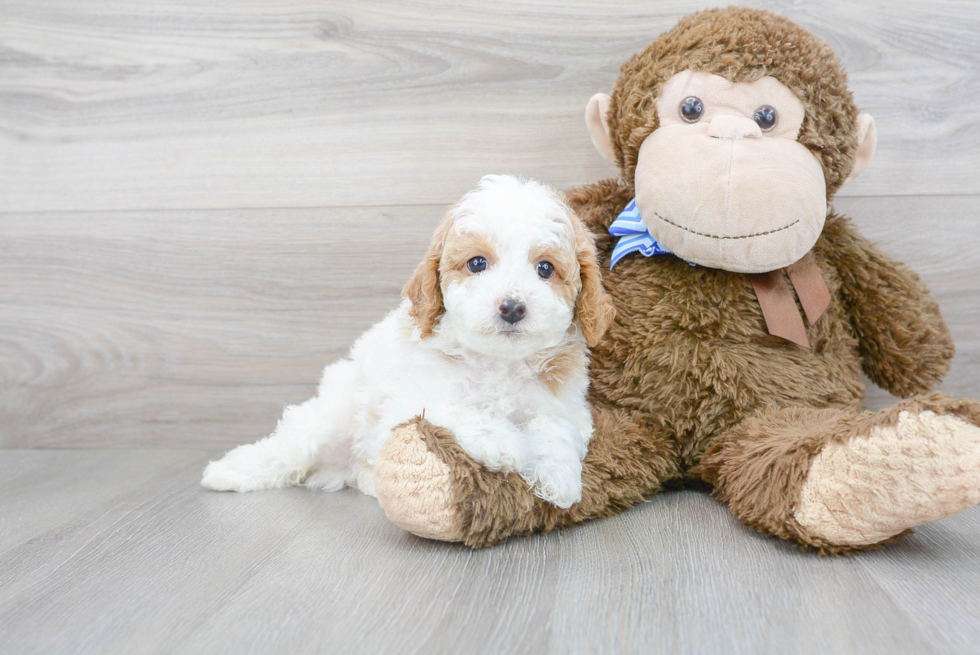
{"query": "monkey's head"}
pixel 735 128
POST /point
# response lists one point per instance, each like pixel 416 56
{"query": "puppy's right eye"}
pixel 476 265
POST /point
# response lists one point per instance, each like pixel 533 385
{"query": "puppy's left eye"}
pixel 546 270
pixel 476 265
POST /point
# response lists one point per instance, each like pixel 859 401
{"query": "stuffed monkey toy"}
pixel 746 310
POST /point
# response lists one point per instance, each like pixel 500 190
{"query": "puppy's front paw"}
pixel 497 451
pixel 559 483
pixel 248 468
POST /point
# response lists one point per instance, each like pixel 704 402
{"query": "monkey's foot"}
pixel 415 486
pixel 905 470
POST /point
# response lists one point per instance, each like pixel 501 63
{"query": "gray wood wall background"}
pixel 203 203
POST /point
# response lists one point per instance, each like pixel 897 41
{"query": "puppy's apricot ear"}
pixel 424 288
pixel 594 310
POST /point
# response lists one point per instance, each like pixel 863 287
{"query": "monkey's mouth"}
pixel 718 236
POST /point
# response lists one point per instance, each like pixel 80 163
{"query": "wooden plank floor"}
pixel 134 557
pixel 202 204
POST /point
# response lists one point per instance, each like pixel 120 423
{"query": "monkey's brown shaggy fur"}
pixel 687 383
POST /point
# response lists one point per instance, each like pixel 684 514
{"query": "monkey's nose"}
pixel 727 126
pixel 512 310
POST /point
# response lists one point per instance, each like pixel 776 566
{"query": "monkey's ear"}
pixel 424 289
pixel 867 141
pixel 595 120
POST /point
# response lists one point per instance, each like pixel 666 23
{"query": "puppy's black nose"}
pixel 512 310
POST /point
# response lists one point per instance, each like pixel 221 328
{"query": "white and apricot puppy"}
pixel 490 343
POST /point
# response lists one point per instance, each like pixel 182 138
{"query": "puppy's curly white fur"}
pixel 490 342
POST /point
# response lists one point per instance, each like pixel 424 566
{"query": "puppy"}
pixel 490 343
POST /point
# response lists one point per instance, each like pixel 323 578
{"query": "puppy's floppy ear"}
pixel 594 310
pixel 424 288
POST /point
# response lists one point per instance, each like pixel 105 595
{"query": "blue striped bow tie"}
pixel 633 235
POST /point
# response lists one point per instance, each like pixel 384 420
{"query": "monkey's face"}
pixel 723 181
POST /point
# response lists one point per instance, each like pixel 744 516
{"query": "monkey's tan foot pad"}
pixel 922 468
pixel 415 487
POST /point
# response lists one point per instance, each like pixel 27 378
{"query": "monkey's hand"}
pixel 905 345
pixel 428 485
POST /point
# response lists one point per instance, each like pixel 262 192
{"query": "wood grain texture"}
pixel 134 557
pixel 131 319
pixel 194 329
pixel 128 105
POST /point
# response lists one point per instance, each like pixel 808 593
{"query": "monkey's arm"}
pixel 429 486
pixel 905 345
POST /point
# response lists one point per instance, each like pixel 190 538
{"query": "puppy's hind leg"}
pixel 311 436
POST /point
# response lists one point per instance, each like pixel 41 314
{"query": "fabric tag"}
pixel 778 307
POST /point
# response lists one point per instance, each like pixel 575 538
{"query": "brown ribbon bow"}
pixel 776 298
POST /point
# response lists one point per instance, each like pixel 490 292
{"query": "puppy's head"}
pixel 509 270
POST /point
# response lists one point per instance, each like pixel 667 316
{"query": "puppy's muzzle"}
pixel 512 310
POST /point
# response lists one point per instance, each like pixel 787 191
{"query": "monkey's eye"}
pixel 476 265
pixel 692 109
pixel 765 117
pixel 546 270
